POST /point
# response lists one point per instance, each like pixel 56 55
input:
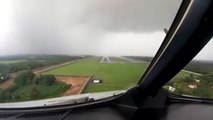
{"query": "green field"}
pixel 10 61
pixel 118 75
pixel 115 76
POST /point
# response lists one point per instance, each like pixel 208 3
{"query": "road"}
pixel 52 67
pixel 6 84
pixel 192 72
pixel 47 68
pixel 134 60
pixel 105 59
pixel 139 61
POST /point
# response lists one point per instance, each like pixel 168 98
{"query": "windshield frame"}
pixel 145 82
pixel 179 43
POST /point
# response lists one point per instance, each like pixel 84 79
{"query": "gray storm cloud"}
pixel 131 15
pixel 98 27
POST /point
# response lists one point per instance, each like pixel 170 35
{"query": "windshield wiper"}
pixel 71 100
pixel 86 98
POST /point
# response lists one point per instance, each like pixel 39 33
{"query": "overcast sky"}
pixel 98 27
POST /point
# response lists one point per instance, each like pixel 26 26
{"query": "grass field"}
pixel 120 74
pixel 11 61
pixel 115 76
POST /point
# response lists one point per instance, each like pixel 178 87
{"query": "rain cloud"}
pixel 96 27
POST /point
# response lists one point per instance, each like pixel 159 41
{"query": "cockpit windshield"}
pixel 51 48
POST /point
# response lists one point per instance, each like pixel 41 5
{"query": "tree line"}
pixel 31 63
pixel 28 78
